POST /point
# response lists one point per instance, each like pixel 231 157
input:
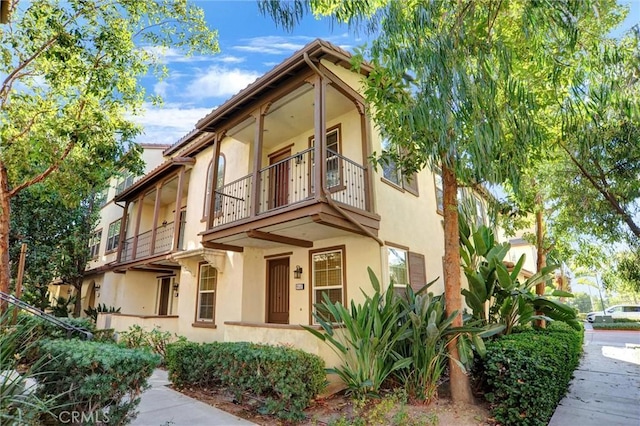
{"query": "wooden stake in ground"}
pixel 23 255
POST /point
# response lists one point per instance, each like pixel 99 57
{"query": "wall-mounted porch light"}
pixel 176 287
pixel 297 273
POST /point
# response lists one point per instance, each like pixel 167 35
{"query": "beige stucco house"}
pixel 267 205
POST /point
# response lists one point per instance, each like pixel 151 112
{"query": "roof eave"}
pixel 150 177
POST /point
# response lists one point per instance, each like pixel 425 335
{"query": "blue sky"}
pixel 250 45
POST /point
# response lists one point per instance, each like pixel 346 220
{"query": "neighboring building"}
pixel 103 244
pixel 267 206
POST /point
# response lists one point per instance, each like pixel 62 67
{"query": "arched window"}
pixel 219 184
pixel 207 195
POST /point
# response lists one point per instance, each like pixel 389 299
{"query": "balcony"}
pixel 290 182
pixel 153 220
pixel 286 205
pixel 163 243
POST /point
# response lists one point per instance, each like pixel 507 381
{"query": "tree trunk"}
pixel 5 212
pixel 77 307
pixel 541 256
pixel 460 386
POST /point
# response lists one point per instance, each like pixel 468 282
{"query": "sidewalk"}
pixel 605 389
pixel 162 406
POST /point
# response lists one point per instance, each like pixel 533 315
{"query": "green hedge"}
pixel 100 380
pixel 526 374
pixel 284 379
pixel 617 326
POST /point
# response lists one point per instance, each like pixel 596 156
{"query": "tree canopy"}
pixel 72 85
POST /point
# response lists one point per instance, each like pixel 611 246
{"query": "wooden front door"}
pixel 279 179
pixel 165 291
pixel 278 291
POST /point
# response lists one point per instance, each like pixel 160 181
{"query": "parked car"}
pixel 618 311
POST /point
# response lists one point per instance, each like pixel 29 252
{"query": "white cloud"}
pixel 168 123
pixel 228 59
pixel 283 45
pixel 219 81
pixel 274 45
pixel 160 88
pixel 168 55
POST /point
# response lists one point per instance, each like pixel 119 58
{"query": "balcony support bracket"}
pixel 260 235
pixel 187 259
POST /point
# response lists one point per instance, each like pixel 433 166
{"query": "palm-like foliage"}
pixel 364 337
pixel 392 335
pixel 495 294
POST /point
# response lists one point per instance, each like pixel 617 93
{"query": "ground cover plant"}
pixel 18 403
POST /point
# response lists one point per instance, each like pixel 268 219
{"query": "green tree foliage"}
pixel 623 275
pixel 72 82
pixel 57 237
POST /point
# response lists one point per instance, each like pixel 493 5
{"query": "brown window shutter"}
pixel 417 271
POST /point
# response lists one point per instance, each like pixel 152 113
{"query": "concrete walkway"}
pixel 162 406
pixel 605 389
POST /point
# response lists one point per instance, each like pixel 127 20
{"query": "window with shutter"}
pixel 417 271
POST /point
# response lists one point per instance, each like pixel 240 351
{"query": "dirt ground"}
pixel 341 409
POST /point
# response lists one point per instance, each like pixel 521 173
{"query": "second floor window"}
pixel 333 171
pixel 392 173
pixel 124 182
pixel 113 235
pixel 94 243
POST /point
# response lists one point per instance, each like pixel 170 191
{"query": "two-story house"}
pixel 267 206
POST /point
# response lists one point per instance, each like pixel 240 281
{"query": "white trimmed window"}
pixel 94 243
pixel 207 285
pixel 328 277
pixel 437 176
pixel 113 235
pixel 392 173
pixel 124 182
pixel 398 267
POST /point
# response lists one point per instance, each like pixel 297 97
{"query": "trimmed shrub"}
pixel 526 374
pixel 616 326
pixel 100 380
pixel 631 320
pixel 285 379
